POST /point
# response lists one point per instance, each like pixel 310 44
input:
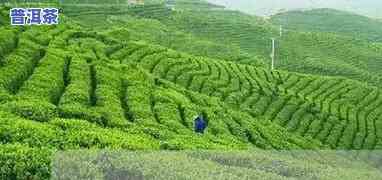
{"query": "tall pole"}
pixel 273 54
pixel 281 30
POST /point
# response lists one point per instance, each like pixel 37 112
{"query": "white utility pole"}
pixel 281 30
pixel 273 54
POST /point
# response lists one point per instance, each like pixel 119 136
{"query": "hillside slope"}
pixel 139 24
pixel 330 20
pixel 234 36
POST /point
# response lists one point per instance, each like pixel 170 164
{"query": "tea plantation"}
pixel 135 78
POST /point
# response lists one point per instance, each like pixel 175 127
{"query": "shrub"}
pixel 34 110
pixel 22 162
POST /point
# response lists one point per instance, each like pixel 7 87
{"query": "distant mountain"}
pixel 330 20
pixel 370 8
pixel 321 53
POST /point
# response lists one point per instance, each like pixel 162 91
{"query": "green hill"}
pixel 330 20
pixel 124 84
pixel 295 51
pixel 244 38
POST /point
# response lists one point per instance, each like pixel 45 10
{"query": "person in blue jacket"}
pixel 200 124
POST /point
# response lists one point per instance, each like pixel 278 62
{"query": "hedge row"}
pixel 254 129
pixel 243 82
pixel 47 83
pixel 41 86
pixel 8 42
pixel 108 93
pixel 65 134
pixel 75 101
pixel 19 65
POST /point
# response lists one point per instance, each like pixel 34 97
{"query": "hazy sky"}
pixel 371 8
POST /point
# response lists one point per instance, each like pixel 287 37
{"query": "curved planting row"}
pixel 307 105
pixel 20 63
pixel 161 102
pixel 8 42
pixel 85 84
pixel 83 76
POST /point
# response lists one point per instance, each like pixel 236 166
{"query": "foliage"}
pixel 326 20
pixel 138 83
pixel 22 162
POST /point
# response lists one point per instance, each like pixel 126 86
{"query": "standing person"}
pixel 200 124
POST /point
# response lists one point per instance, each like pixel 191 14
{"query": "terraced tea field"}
pixel 338 112
pixel 68 87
